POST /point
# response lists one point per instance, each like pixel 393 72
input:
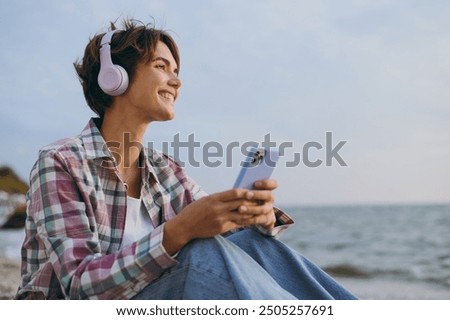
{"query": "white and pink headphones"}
pixel 112 78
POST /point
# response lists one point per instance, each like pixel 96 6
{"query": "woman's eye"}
pixel 160 66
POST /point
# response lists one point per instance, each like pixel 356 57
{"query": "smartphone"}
pixel 258 165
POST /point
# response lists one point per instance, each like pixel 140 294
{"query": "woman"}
pixel 109 219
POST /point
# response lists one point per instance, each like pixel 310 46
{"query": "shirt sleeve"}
pixel 72 245
pixel 196 190
pixel 283 221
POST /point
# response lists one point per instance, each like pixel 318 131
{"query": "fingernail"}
pixel 243 209
pixel 258 184
pixel 250 194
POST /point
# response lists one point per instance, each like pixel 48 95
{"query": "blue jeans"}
pixel 244 265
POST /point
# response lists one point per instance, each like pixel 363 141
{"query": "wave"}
pixel 351 271
pixel 345 270
pixel 407 274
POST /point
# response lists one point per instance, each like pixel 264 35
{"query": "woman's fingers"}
pixel 257 210
pixel 243 220
pixel 263 191
pixel 230 195
pixel 256 202
pixel 268 184
pixel 234 205
pixel 260 196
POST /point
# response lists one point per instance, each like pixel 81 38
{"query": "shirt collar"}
pixel 148 165
pixel 93 141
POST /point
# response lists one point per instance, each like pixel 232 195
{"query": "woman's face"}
pixel 154 88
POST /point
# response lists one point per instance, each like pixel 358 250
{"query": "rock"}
pixel 10 181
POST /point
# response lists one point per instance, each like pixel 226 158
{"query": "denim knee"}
pixel 204 254
pixel 249 239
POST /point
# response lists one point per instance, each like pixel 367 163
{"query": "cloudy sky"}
pixel 374 73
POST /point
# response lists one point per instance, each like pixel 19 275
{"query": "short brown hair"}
pixel 135 43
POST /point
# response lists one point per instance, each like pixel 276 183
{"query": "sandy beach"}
pixel 9 278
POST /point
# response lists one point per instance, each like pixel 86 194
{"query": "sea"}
pixel 377 252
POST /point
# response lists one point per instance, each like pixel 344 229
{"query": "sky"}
pixel 374 74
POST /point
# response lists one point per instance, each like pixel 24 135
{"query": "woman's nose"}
pixel 175 82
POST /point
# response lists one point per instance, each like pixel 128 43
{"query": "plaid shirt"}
pixel 76 210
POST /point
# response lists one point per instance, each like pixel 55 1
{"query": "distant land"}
pixel 10 181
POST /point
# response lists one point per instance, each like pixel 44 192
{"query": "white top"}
pixel 138 223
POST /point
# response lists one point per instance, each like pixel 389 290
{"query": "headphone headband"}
pixel 107 37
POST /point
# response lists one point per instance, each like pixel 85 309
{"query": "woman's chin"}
pixel 170 115
pixel 167 117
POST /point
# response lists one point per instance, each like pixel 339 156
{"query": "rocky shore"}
pixel 9 278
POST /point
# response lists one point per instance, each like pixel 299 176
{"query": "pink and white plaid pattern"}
pixel 76 209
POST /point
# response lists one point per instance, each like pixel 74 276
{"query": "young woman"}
pixel 110 219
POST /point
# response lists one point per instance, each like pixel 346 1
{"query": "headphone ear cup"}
pixel 123 86
pixel 113 80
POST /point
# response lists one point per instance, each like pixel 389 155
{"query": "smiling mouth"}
pixel 167 96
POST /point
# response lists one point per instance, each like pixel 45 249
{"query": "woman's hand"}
pixel 267 217
pixel 221 212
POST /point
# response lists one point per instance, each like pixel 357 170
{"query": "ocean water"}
pixel 10 243
pixel 403 251
pixel 378 252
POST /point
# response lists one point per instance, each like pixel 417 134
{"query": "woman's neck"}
pixel 124 136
